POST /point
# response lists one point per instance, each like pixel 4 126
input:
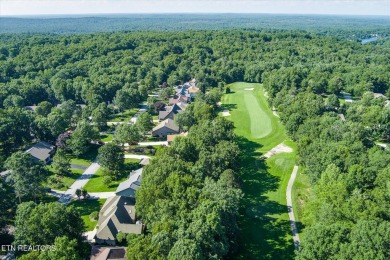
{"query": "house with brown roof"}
pixel 108 253
pixel 170 138
pixel 164 128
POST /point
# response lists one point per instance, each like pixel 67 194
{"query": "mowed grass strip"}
pixel 259 121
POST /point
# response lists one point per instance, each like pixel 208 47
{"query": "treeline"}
pixel 354 28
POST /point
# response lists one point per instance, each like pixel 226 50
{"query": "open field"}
pixel 265 231
pixel 86 207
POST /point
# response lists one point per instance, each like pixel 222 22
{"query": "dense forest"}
pixel 353 28
pixel 304 75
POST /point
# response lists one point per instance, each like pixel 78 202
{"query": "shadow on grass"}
pixel 262 235
pixel 228 107
pixel 86 207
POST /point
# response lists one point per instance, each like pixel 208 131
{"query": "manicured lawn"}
pixel 87 159
pixel 252 116
pixel 131 161
pixel 95 184
pixel 66 180
pixel 86 207
pixel 106 137
pixel 123 116
pixel 264 225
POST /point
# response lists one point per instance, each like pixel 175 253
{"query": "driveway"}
pixel 136 156
pixel 142 110
pixel 79 183
pixel 101 195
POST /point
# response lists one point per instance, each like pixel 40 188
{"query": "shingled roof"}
pixel 117 215
pixel 169 123
pixel 41 151
pixel 131 185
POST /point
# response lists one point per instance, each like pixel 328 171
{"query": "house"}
pixel 170 138
pixel 170 112
pixel 131 185
pixel 118 212
pixel 192 90
pixel 42 151
pixel 105 253
pixel 180 99
pixel 117 215
pixel 165 128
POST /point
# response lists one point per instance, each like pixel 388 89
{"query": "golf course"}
pixel 264 225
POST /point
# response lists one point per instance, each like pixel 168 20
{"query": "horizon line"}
pixel 195 13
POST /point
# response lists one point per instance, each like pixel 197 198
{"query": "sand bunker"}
pixel 281 148
pixel 225 113
pixel 266 94
pixel 249 89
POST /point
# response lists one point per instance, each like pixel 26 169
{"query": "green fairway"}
pixel 264 224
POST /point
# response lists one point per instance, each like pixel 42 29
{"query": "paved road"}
pixel 136 156
pixel 80 182
pixel 290 208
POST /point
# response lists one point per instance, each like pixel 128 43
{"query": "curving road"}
pixel 290 208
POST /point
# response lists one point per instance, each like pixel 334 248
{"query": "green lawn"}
pixel 106 137
pixel 264 225
pixel 66 180
pixel 95 184
pixel 123 116
pixel 86 207
pixel 87 159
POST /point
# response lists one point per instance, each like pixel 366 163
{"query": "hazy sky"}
pixel 358 7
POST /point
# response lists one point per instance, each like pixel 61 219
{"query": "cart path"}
pixel 290 208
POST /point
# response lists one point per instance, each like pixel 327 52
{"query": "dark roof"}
pixel 168 123
pixel 117 214
pixel 169 109
pixel 41 150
